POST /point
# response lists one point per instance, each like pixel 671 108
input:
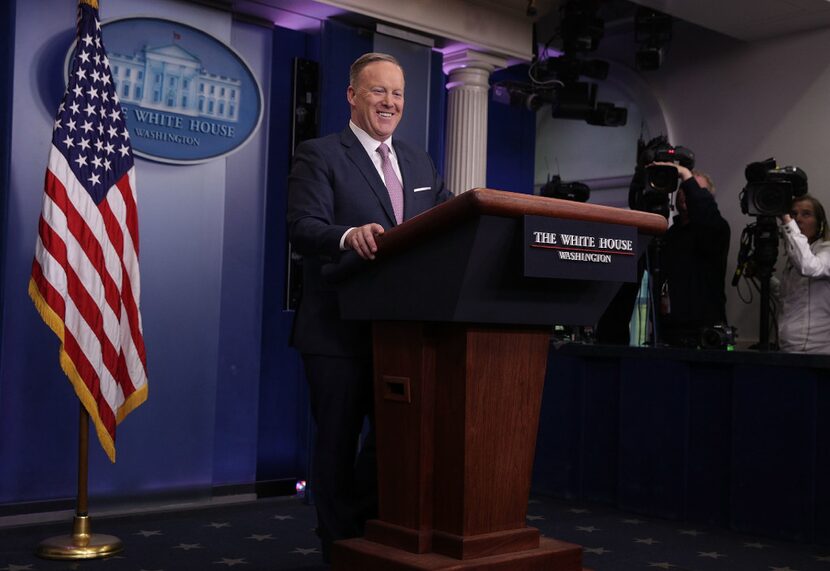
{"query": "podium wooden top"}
pixel 487 201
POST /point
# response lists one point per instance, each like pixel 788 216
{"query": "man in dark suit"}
pixel 345 189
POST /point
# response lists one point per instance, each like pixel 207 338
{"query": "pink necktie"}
pixel 393 185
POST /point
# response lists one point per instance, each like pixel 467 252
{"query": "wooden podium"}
pixel 461 339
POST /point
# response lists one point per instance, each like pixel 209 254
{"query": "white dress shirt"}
pixel 371 145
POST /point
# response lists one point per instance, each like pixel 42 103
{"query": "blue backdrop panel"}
pixel 238 378
pixel 415 126
pixel 511 140
pixel 437 110
pixel 340 45
pixel 7 79
pixel 774 443
pixel 199 277
pixel 283 401
pixel 653 421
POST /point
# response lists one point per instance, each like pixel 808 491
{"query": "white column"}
pixel 468 72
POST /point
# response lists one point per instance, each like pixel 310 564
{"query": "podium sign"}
pixel 579 250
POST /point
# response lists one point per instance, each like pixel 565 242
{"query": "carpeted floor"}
pixel 277 534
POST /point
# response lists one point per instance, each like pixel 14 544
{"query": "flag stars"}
pixel 124 150
pixel 74 107
pixel 71 125
pixel 109 148
pixel 97 162
pixel 78 91
pixel 115 115
pixel 57 125
pixel 105 79
pixel 646 540
pixel 96 58
pixel 107 165
pixel 90 109
pixel 87 127
pixel 710 554
pixel 81 74
pixel 81 160
pixel 92 92
pixel 84 56
pixel 94 179
pixel 68 142
pixel 84 144
pixel 96 76
pixel 87 40
pixel 101 129
pixel 99 145
pixel 113 132
pixel 125 134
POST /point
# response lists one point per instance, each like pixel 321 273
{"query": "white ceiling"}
pixel 748 19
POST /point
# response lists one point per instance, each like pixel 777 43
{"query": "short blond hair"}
pixel 366 59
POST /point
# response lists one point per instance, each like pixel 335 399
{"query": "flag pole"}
pixel 82 543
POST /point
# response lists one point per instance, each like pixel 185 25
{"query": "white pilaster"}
pixel 468 84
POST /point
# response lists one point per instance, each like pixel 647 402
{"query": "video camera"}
pixel 770 189
pixel 575 191
pixel 652 184
pixel 664 178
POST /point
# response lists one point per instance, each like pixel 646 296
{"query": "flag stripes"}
pixel 85 279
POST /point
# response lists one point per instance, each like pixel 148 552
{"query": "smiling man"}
pixel 344 189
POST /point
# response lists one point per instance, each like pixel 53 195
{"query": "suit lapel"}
pixel 357 154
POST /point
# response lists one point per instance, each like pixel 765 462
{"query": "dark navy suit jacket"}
pixel 333 186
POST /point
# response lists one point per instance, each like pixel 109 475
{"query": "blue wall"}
pixel 202 262
pixel 227 398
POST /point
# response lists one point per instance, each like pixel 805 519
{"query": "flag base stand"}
pixel 81 544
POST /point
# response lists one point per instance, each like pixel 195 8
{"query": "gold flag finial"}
pixel 93 3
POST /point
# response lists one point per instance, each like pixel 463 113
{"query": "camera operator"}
pixel 804 285
pixel 693 262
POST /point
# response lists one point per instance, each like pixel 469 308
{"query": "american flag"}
pixel 85 278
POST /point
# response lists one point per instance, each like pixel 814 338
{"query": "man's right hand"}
pixel 362 240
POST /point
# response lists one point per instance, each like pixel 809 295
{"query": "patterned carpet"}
pixel 277 534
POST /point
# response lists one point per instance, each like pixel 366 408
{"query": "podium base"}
pixel 362 555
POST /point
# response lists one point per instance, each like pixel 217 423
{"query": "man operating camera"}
pixel 693 262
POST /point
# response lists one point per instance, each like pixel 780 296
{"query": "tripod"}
pixel 759 246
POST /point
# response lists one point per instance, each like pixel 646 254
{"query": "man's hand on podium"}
pixel 362 240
